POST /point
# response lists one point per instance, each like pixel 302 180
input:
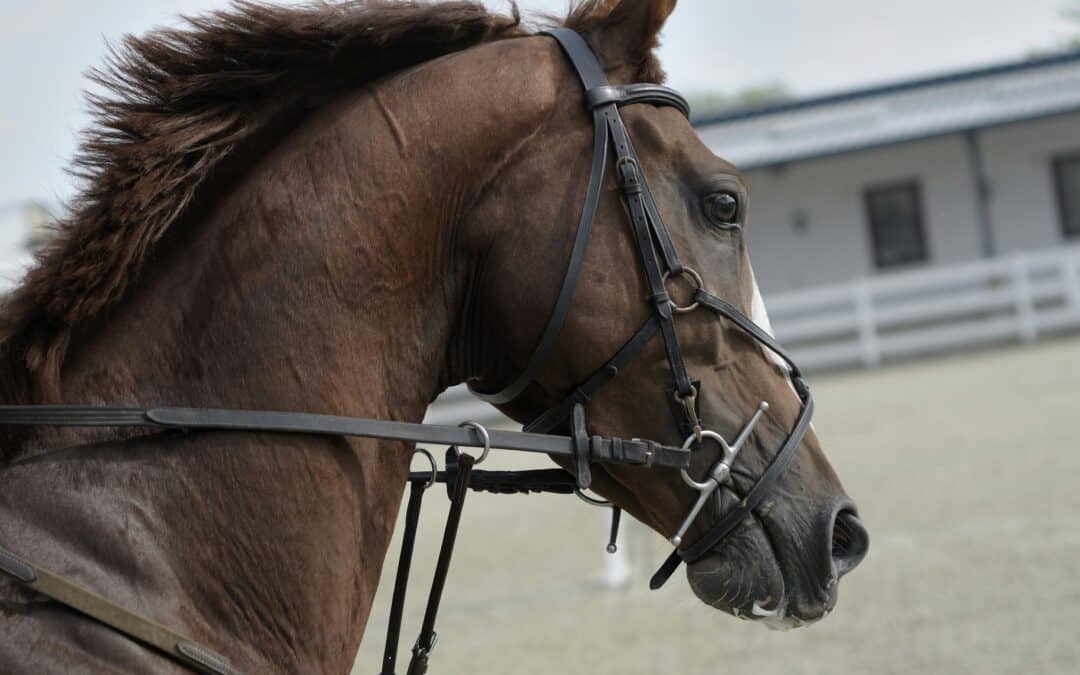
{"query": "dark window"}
pixel 896 224
pixel 1067 179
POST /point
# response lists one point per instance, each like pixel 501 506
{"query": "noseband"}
pixel 660 262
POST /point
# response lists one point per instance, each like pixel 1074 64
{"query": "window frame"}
pixel 914 186
pixel 1057 164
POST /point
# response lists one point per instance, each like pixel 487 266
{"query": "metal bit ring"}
pixel 698 283
pixel 726 458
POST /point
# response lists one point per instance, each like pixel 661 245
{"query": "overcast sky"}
pixel 812 46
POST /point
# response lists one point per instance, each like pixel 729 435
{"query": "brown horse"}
pixel 347 209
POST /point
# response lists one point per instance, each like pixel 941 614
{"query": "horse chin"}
pixel 743 578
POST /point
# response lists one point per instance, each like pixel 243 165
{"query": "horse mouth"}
pixel 746 577
pixel 751 592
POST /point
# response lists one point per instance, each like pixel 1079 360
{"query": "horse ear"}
pixel 628 33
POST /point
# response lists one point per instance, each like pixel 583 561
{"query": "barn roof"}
pixel 895 113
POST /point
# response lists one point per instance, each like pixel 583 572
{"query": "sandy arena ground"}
pixel 966 472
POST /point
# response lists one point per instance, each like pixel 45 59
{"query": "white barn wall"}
pixel 835 247
pixel 1018 160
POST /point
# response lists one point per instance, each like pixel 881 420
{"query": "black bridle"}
pixel 660 262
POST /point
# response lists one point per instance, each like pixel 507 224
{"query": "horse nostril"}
pixel 850 542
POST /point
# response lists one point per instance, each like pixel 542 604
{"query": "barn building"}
pixel 918 174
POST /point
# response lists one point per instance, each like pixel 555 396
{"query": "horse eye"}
pixel 722 209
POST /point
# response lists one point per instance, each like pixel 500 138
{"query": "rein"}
pixel 660 262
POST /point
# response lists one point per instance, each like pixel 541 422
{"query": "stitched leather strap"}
pixel 557 414
pixel 418 665
pixel 555 481
pixel 645 220
pixel 628 94
pixel 401 580
pixel 638 452
pixel 729 311
pixel 632 184
pixel 549 337
pixel 124 621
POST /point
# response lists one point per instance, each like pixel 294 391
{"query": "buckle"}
pixel 689 408
pixel 421 651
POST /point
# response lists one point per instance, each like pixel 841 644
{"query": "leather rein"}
pixel 660 262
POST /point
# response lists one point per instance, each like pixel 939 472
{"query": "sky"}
pixel 812 46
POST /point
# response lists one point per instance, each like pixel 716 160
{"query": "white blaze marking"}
pixel 760 316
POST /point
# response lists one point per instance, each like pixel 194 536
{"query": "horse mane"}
pixel 178 102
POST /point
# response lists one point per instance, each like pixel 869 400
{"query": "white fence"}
pixel 867 322
pixel 899 316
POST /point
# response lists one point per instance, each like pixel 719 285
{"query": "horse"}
pixel 347 209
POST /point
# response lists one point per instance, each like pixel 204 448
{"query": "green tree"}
pixel 1071 12
pixel 709 103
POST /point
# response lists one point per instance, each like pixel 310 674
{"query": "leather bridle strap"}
pixel 632 184
pixel 604 450
pixel 421 653
pixel 401 580
pixel 559 311
pixel 558 413
pixel 603 100
pixel 87 602
pixel 733 518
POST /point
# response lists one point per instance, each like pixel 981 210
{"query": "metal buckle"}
pixel 689 404
pixel 629 175
pixel 698 283
pixel 423 651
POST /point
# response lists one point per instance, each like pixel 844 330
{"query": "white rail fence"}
pixel 1017 298
pixel 865 323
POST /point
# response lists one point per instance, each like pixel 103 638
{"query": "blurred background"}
pixel 915 177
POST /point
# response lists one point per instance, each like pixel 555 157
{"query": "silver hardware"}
pixel 431 461
pixel 591 501
pixel 485 438
pixel 425 650
pixel 603 503
pixel 689 404
pixel 720 473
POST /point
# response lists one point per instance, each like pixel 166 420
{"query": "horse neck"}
pixel 293 293
pixel 307 288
